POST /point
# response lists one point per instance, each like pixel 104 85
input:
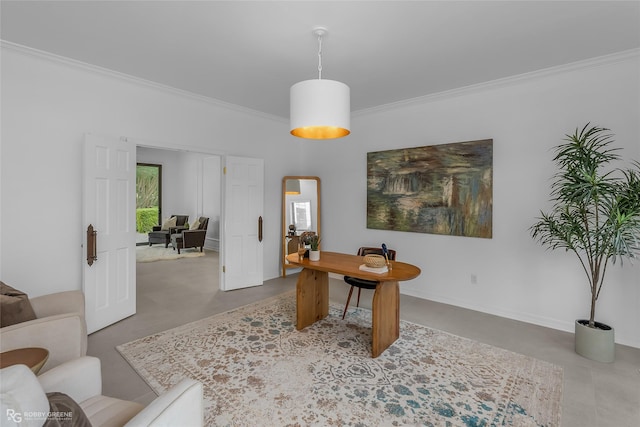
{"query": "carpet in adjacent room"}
pixel 160 253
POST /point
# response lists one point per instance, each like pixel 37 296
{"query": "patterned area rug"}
pixel 159 253
pixel 257 370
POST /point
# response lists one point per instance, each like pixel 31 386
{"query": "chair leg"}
pixel 358 303
pixel 347 305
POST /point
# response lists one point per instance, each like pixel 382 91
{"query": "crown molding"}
pixel 465 90
pixel 135 80
pixel 627 55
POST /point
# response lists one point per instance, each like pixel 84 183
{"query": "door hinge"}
pixel 224 170
pixel 224 269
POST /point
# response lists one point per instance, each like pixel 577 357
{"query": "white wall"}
pixel 210 199
pixel 47 106
pixel 526 117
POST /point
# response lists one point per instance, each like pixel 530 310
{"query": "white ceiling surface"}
pixel 250 53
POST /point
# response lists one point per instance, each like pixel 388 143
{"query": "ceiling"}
pixel 250 53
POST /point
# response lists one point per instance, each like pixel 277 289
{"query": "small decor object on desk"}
pixel 385 252
pixel 313 240
pixel 374 261
pixel 301 250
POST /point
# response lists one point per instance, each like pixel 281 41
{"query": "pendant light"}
pixel 320 109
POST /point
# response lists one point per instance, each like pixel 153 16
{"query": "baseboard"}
pixel 546 322
pixel 212 244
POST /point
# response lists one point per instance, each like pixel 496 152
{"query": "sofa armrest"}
pixel 64 335
pixel 80 378
pixel 181 405
pixel 177 229
pixel 58 303
pixel 194 237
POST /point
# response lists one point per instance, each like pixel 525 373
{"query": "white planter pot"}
pixel 314 255
pixel 595 343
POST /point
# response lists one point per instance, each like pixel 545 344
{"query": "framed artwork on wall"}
pixel 437 189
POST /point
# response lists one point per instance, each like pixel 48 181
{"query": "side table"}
pixel 33 357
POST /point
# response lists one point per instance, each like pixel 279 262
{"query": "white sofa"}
pixel 22 392
pixel 60 327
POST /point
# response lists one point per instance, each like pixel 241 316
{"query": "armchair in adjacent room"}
pixel 361 283
pixel 162 233
pixel 81 381
pixel 59 327
pixel 192 238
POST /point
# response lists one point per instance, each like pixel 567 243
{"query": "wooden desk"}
pixel 33 357
pixel 312 293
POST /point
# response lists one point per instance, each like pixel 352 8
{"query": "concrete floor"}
pixel 172 293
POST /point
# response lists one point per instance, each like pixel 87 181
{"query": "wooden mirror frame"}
pixel 285 226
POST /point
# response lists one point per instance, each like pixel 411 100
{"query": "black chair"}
pixel 191 238
pixel 158 235
pixel 361 283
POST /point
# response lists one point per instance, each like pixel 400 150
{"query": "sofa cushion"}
pixel 14 306
pixel 202 223
pixel 171 222
pixel 65 412
pixel 23 402
pixel 195 225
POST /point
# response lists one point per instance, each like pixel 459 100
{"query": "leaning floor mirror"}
pixel 300 213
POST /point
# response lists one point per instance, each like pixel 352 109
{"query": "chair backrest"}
pixel 292 244
pixel 181 220
pixel 376 251
pixel 204 223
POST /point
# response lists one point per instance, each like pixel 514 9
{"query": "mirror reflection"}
pixel 300 212
pixel 301 217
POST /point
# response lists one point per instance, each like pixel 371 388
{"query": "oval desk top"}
pixel 349 265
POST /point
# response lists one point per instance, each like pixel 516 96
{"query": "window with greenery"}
pixel 148 190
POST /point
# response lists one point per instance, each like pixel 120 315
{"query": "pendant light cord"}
pixel 319 57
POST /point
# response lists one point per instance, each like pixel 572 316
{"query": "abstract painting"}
pixel 438 189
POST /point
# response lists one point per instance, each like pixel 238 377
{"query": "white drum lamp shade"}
pixel 320 109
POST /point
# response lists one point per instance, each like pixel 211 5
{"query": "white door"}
pixel 109 206
pixel 243 212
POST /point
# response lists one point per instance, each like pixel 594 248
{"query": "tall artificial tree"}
pixel 596 211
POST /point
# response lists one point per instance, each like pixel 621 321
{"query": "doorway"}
pixel 148 200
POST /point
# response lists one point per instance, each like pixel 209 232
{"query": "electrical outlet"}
pixel 474 279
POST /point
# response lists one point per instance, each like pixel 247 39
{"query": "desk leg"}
pixel 312 297
pixel 385 316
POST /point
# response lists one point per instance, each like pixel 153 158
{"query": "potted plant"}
pixel 313 240
pixel 596 215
